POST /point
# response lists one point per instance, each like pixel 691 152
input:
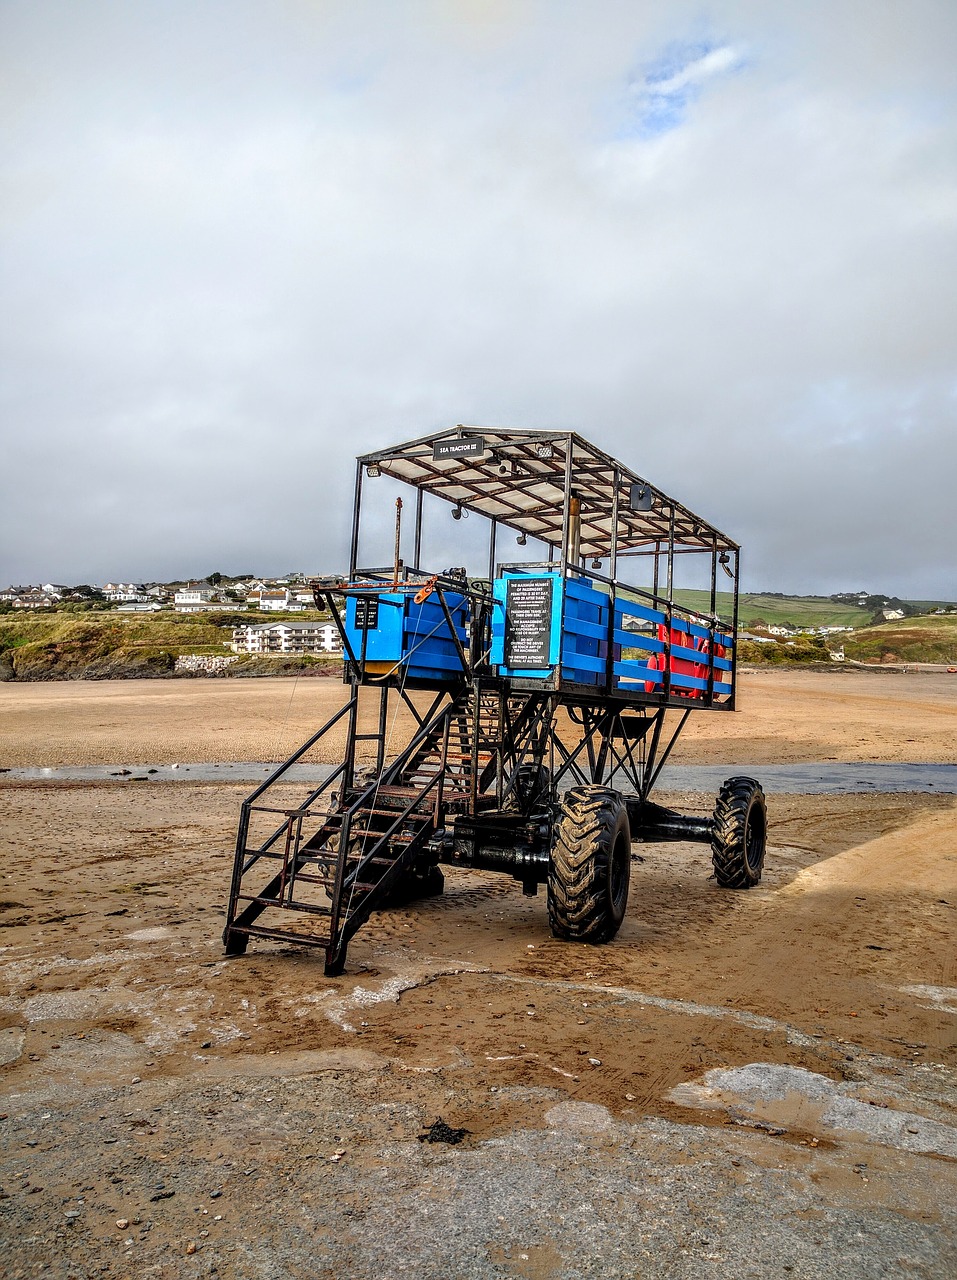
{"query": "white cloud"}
pixel 697 71
pixel 244 243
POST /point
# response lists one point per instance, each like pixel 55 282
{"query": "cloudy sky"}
pixel 245 240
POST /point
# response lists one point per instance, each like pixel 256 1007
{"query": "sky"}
pixel 243 242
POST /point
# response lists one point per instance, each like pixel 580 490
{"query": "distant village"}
pixel 292 594
pixel 216 594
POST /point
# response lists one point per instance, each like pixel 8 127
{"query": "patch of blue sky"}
pixel 659 95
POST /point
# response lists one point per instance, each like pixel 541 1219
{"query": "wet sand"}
pixel 782 717
pixel 282 1109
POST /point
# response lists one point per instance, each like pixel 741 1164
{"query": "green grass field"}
pixel 799 611
pixel 63 646
pixel 924 639
pixel 95 645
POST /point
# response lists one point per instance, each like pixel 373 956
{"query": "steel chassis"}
pixel 479 781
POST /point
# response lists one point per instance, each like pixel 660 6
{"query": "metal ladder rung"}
pixel 303 877
pixel 281 935
pixel 353 886
pixel 283 905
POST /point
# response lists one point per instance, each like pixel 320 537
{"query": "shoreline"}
pixel 783 717
pixel 860 777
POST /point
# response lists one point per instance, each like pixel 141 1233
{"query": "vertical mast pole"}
pixel 398 544
pixel 734 629
pixel 613 571
pixel 417 547
pixel 566 513
pixel 354 551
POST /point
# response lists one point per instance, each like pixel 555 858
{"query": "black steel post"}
pixel 566 508
pixel 734 629
pixel 383 725
pixel 666 675
pixel 417 546
pixel 714 618
pixel 354 548
pixel 613 570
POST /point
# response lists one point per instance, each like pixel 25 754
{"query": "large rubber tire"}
pixel 532 788
pixel 739 834
pixel 414 885
pixel 590 866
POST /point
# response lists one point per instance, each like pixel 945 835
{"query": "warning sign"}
pixel 528 623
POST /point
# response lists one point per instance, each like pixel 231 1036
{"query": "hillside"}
pixel 799 611
pixel 104 646
pixel 110 646
pixel 925 639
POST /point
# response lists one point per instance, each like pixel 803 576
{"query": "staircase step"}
pixel 283 905
pixel 281 935
pixel 351 886
pixel 455 757
pixel 304 878
pixel 392 813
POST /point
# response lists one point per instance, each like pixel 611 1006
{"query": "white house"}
pixel 274 600
pixel 193 598
pixel 33 598
pixel 124 593
pixel 286 637
pixel 193 593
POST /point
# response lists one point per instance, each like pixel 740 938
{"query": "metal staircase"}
pixel 343 853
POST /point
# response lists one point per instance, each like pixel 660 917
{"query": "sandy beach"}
pixel 739 1083
pixel 782 717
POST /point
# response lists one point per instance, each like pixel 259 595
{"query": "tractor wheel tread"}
pixel 739 834
pixel 590 864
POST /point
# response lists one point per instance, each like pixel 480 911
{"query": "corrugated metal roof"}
pixel 519 480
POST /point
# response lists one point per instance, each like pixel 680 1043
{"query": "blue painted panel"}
pixel 585 634
pixel 685 654
pixel 595 630
pixel 428 644
pixel 637 640
pixel 413 636
pixel 630 666
pixel 425 664
pixel 575 589
pixel 687 682
pixel 384 641
pixel 584 662
pixel 634 610
pixel 639 675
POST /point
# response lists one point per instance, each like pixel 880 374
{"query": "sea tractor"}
pixel 544 696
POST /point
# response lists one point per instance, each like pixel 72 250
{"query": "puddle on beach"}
pixel 792 779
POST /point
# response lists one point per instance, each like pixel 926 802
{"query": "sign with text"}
pixel 473 448
pixel 367 613
pixel 528 623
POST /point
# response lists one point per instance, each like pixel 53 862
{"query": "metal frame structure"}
pixel 479 783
